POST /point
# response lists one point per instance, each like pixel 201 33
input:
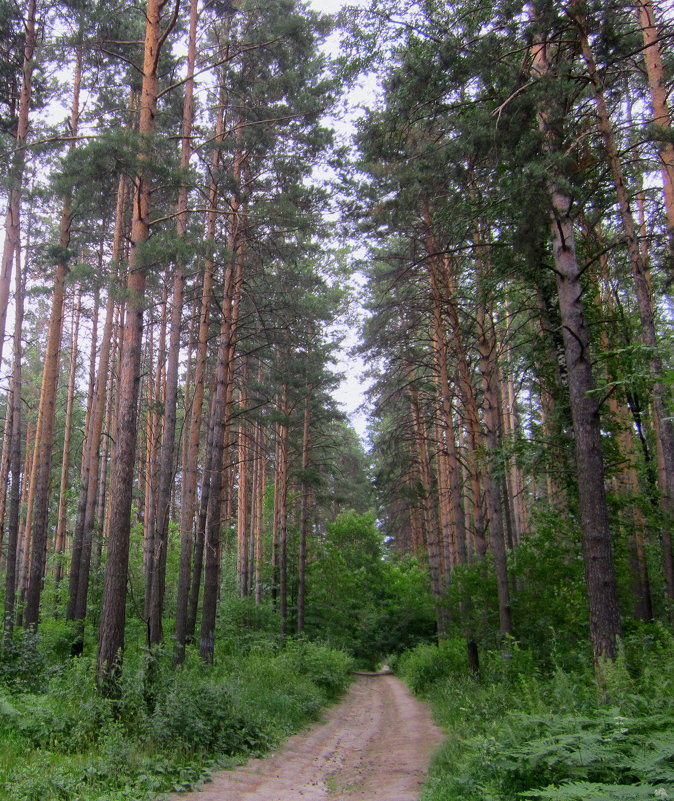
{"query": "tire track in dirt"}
pixel 373 746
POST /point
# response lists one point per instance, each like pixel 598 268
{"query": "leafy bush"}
pixel 429 663
pixel 22 663
pixel 327 668
pixel 244 626
pixel 199 716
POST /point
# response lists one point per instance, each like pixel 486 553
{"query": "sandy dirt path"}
pixel 373 746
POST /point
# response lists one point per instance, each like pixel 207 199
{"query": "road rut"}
pixel 373 746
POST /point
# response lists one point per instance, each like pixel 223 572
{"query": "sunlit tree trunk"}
pixel 658 89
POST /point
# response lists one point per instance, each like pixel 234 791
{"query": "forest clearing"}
pixel 220 217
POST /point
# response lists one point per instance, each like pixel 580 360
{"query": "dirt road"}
pixel 373 746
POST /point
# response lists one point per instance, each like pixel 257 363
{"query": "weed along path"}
pixel 373 746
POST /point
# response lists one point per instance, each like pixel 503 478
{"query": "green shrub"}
pixel 167 728
pixel 275 700
pixel 427 664
pixel 199 716
pixel 328 668
pixel 22 664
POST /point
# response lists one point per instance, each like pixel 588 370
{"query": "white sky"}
pixel 351 393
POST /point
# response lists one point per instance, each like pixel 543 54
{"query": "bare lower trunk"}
pixel 429 501
pixel 489 371
pixel 78 586
pixel 281 508
pixel 605 626
pixel 15 461
pixel 60 536
pixel 221 423
pixel 304 514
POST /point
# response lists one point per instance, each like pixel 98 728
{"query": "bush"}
pixel 328 668
pixel 199 716
pixel 22 664
pixel 427 664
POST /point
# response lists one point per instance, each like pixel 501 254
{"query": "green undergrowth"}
pixel 169 729
pixel 520 733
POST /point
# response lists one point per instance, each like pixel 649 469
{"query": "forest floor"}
pixel 374 745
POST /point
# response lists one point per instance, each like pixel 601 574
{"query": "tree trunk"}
pixel 429 502
pixel 186 602
pixel 78 586
pixel 113 609
pixel 261 482
pixel 60 536
pixel 44 442
pixel 658 88
pixel 15 460
pixel 221 417
pixel 281 507
pixel 469 403
pixel 243 517
pixel 166 471
pixel 605 627
pixel 492 420
pixel 304 512
pixel 452 516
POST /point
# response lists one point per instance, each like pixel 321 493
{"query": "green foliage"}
pixel 428 663
pixel 518 732
pixel 360 600
pixel 169 728
pixel 326 667
pixel 198 715
pixel 245 626
pixel 21 663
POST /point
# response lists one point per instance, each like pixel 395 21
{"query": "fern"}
pixel 594 791
pixel 656 761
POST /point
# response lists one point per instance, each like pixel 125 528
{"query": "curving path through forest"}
pixel 373 746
